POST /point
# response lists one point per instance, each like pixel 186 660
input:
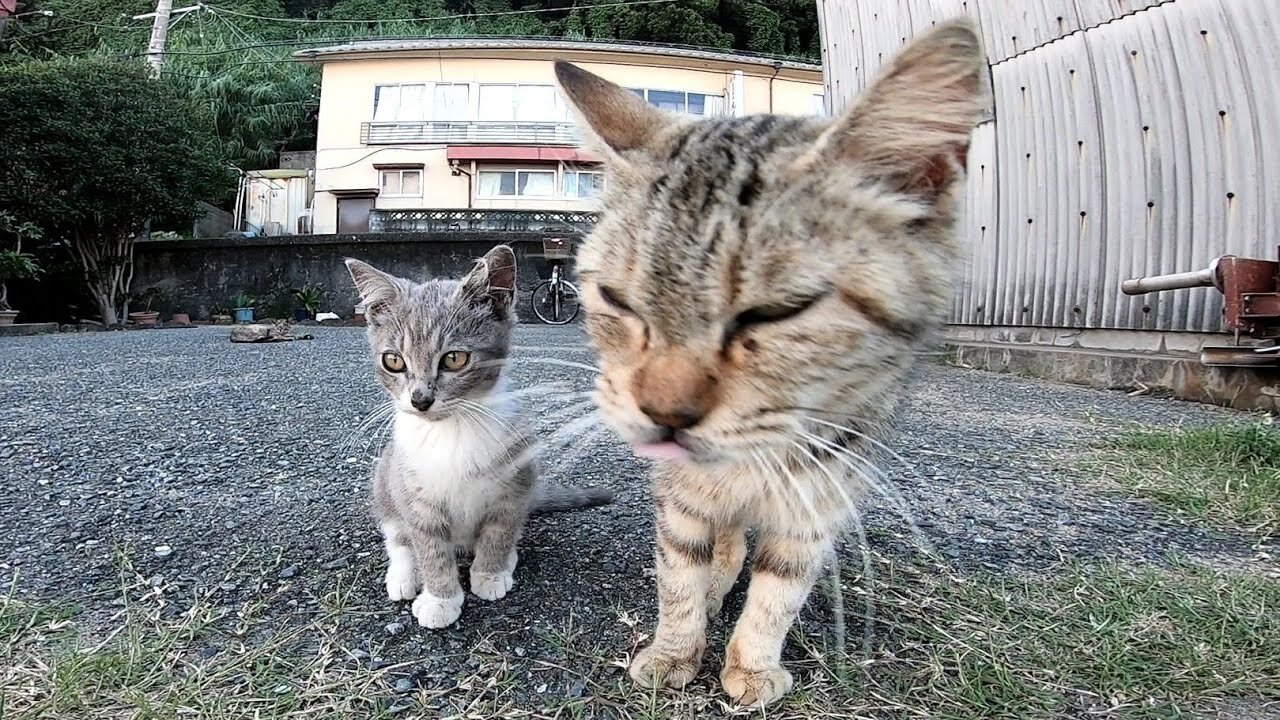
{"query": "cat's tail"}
pixel 557 498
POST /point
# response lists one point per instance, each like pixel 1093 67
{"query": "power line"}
pixel 496 13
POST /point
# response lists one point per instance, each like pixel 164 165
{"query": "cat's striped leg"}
pixel 726 563
pixel 492 570
pixel 782 574
pixel 684 555
pixel 440 602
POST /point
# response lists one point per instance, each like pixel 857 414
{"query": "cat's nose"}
pixel 421 400
pixel 676 418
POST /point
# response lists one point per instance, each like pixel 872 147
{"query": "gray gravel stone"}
pixel 187 441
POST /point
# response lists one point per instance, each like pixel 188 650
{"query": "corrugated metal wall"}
pixel 1131 137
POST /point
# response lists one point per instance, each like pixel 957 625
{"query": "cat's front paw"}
pixel 651 668
pixel 755 688
pixel 492 586
pixel 401 583
pixel 437 612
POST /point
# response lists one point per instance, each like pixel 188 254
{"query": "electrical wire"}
pixel 496 13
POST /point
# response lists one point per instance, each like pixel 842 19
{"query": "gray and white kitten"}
pixel 458 472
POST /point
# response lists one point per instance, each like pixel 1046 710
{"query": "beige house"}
pixel 411 129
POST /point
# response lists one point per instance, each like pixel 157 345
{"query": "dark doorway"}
pixel 353 214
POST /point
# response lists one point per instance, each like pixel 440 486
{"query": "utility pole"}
pixel 159 33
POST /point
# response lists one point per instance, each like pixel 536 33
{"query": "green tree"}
pixel 96 149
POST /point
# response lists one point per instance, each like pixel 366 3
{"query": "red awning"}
pixel 518 152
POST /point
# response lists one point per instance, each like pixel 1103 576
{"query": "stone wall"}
pixel 200 276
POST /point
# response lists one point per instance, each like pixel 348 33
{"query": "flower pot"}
pixel 8 316
pixel 180 319
pixel 244 315
pixel 358 316
pixel 300 314
pixel 144 319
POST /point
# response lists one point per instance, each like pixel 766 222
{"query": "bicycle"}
pixel 555 301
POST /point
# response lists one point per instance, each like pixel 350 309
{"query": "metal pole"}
pixel 1176 281
pixel 159 34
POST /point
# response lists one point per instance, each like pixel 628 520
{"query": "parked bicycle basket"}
pixel 556 248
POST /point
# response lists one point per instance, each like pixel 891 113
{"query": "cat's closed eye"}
pixel 611 299
pixel 765 314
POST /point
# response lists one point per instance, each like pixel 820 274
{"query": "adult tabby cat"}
pixel 458 472
pixel 755 289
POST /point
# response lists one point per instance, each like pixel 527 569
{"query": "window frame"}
pixel 599 183
pixel 400 173
pixel 706 97
pixel 517 171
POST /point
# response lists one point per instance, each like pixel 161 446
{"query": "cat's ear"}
pixel 911 128
pixel 614 120
pixel 493 281
pixel 377 289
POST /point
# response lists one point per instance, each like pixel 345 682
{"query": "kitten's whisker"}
pixel 377 416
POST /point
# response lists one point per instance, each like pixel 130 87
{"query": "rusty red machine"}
pixel 1251 306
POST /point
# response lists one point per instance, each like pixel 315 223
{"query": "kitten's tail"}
pixel 557 498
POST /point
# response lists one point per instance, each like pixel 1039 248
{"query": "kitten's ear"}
pixel 493 281
pixel 912 126
pixel 377 289
pixel 615 119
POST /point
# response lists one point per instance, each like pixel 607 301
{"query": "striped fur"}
pixel 756 289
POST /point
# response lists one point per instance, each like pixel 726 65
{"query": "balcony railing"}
pixel 460 132
pixel 552 221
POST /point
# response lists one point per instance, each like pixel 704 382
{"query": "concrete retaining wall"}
pixel 199 276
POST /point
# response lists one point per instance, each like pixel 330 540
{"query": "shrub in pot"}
pixel 309 297
pixel 15 264
pixel 243 305
pixel 147 317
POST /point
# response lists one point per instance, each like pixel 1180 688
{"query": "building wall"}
pixel 347 101
pixel 1131 138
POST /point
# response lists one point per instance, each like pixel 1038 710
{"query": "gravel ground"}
pixel 212 464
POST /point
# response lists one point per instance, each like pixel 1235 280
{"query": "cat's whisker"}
pixel 864 436
pixel 800 490
pixel 584 445
pixel 858 464
pixel 868 569
pixel 558 361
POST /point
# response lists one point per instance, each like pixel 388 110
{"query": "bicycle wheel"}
pixel 555 308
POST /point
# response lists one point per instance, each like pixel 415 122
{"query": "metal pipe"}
pixel 1175 281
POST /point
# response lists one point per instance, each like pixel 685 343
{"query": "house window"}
pixel 581 184
pixel 678 101
pixel 401 183
pixel 524 103
pixel 451 101
pixel 819 104
pixel 399 102
pixel 517 183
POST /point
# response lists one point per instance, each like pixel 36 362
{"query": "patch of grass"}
pixel 1086 641
pixel 162 656
pixel 1227 473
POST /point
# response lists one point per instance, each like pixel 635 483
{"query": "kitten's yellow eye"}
pixel 454 361
pixel 393 362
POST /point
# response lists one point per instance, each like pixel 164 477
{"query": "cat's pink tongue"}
pixel 666 450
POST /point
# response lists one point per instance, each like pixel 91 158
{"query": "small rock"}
pixel 227 586
pixel 289 571
pixel 163 551
pixel 404 685
pixel 335 564
pixel 395 628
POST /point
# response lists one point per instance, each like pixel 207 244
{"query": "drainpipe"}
pixel 457 170
pixel 777 68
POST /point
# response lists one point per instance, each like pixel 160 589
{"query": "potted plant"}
pixel 147 317
pixel 242 305
pixel 309 296
pixel 15 264
pixel 180 317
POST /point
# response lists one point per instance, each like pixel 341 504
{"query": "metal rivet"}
pixel 1146 308
pixel 1230 195
pixel 1083 213
pixel 1145 128
pixel 1151 203
pixel 1028 221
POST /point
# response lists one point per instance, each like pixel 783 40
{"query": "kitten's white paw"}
pixel 437 612
pixel 491 586
pixel 401 582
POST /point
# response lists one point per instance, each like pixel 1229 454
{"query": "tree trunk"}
pixel 106 308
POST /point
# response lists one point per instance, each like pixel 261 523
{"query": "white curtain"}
pixel 536 103
pixel 450 102
pixel 386 103
pixel 491 183
pixel 537 184
pixel 413 102
pixel 715 106
pixel 497 102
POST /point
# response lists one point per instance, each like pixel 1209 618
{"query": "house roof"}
pixel 464 45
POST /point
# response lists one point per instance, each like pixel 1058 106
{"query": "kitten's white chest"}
pixel 443 464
